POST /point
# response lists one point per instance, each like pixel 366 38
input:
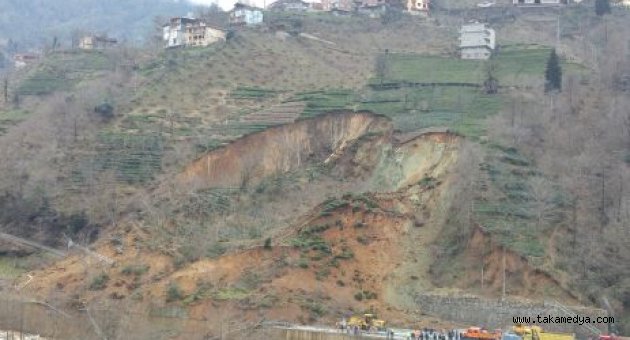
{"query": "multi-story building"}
pixel 244 15
pixel 95 42
pixel 476 41
pixel 418 6
pixel 181 32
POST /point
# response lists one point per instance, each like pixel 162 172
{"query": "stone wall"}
pixel 498 314
pixel 300 334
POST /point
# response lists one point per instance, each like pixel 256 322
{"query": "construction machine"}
pixel 537 333
pixel 478 333
pixel 522 330
pixel 608 337
pixel 366 321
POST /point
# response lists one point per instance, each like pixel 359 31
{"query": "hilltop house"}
pixel 22 60
pixel 540 2
pixel 339 7
pixel 180 32
pixel 245 15
pixel 289 6
pixel 476 41
pixel 418 6
pixel 174 32
pixel 95 42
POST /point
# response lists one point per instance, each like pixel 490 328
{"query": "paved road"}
pixel 11 335
pixel 399 333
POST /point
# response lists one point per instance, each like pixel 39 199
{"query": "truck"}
pixel 366 321
pixel 478 333
pixel 537 333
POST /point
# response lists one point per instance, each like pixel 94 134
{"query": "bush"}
pixel 358 296
pixel 173 292
pixel 363 240
pixel 216 250
pixel 99 282
pixel 267 245
pixel 303 263
pixel 322 274
pixel 136 270
pixel 359 224
pixel 369 295
pixel 346 254
pixel 105 111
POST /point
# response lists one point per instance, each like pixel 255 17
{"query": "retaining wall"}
pixel 498 314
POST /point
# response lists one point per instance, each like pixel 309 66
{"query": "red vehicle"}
pixel 476 333
pixel 608 337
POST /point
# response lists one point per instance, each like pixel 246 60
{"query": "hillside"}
pixel 283 177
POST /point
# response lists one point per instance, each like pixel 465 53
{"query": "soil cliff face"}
pixel 281 149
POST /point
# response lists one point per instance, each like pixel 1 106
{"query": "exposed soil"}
pixel 364 250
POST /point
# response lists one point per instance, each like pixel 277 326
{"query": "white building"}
pixel 181 32
pixel 476 41
pixel 418 6
pixel 94 42
pixel 174 33
pixel 243 15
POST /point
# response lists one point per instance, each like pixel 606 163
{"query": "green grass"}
pixel 318 102
pixel 133 158
pixel 62 71
pixel 514 63
pixel 230 293
pixel 245 92
pixel 10 269
pixel 10 118
pixel 432 69
pixel 507 209
pixel 462 109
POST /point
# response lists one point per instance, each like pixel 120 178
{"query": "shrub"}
pixel 359 224
pixel 363 240
pixel 346 254
pixel 369 295
pixel 99 282
pixel 105 111
pixel 216 250
pixel 358 296
pixel 322 274
pixel 267 243
pixel 303 263
pixel 173 292
pixel 137 270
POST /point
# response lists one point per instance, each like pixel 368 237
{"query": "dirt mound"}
pixel 281 149
pixel 370 248
pixel 523 278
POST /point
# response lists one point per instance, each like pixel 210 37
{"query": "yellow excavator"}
pixel 537 333
pixel 366 321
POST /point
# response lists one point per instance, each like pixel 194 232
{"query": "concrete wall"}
pixel 496 314
pixel 298 334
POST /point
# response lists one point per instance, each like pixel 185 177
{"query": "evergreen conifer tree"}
pixel 553 73
pixel 602 7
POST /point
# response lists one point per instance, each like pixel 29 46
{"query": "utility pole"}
pixel 503 293
pixel 558 31
pixel 5 88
